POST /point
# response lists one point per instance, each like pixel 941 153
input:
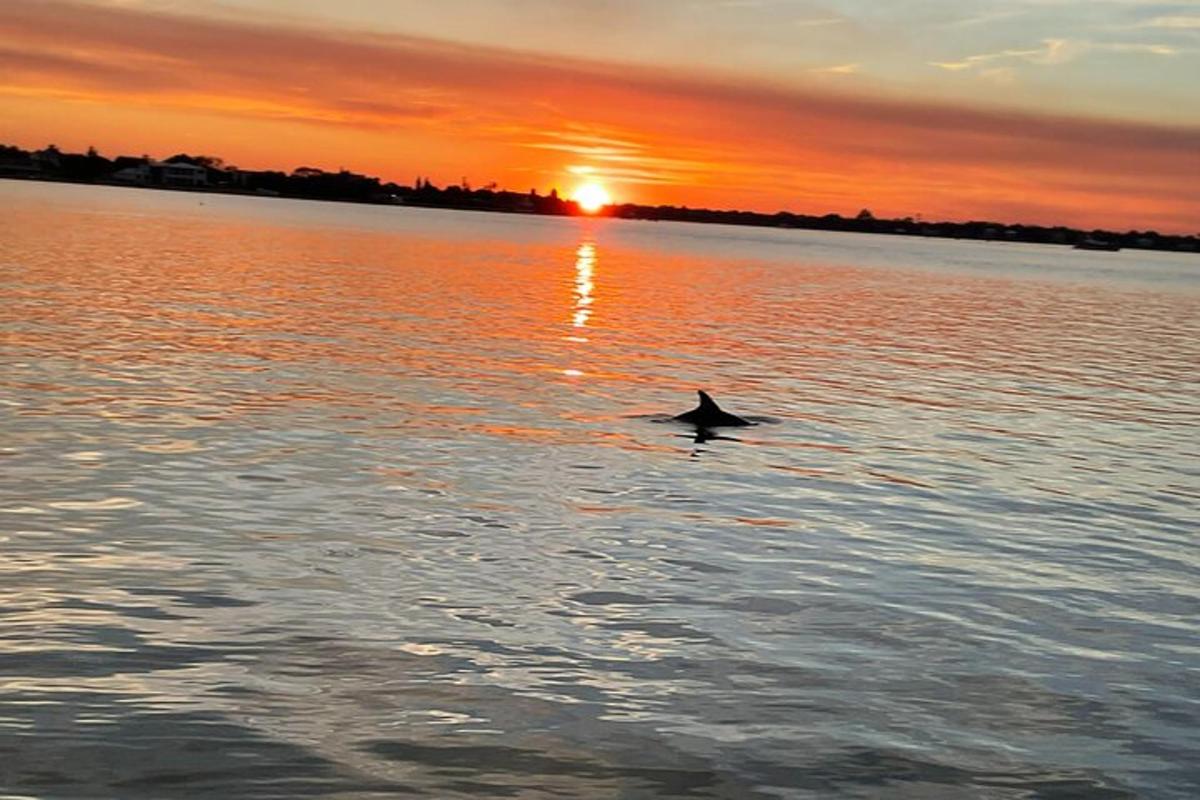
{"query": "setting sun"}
pixel 591 197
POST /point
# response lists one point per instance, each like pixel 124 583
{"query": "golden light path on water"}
pixel 585 267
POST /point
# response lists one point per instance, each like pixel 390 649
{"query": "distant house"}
pixel 48 158
pixel 137 174
pixel 162 173
pixel 239 178
pixel 19 166
pixel 264 182
pixel 178 174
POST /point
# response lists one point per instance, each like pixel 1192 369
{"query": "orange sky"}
pixel 132 78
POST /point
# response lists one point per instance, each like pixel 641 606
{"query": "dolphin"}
pixel 709 415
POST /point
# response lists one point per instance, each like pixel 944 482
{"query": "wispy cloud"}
pixel 818 22
pixel 1055 51
pixel 625 159
pixel 1173 23
pixel 839 69
pixel 984 18
pixel 1001 76
pixel 970 62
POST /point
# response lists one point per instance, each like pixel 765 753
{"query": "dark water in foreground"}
pixel 316 500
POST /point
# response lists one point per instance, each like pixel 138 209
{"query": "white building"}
pixel 138 175
pixel 162 173
pixel 179 174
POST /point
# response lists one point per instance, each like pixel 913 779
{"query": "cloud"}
pixel 1055 51
pixel 1173 23
pixel 722 139
pixel 984 18
pixel 818 22
pixel 839 69
pixel 1002 76
pixel 978 60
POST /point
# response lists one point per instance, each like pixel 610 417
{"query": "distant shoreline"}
pixel 205 175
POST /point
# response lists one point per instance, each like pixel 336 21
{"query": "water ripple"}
pixel 366 502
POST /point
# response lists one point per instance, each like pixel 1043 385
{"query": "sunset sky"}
pixel 1082 112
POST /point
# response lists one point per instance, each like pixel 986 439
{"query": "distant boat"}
pixel 1089 243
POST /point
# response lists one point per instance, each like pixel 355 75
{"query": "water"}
pixel 305 499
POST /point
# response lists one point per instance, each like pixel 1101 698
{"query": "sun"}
pixel 591 197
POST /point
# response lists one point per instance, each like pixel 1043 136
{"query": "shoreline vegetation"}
pixel 208 174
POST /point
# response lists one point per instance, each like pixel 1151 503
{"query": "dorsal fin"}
pixel 706 402
pixel 709 415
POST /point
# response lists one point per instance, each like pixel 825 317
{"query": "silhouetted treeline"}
pixel 209 173
pixel 865 222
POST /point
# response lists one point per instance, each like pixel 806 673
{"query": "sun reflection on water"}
pixel 585 265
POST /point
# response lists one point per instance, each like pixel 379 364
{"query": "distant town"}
pixel 211 174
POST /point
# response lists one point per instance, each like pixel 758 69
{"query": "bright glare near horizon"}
pixel 591 197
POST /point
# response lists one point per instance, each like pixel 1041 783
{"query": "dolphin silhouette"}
pixel 709 415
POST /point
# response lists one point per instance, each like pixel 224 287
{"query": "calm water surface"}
pixel 304 499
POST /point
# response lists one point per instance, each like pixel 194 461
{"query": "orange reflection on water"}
pixel 585 265
pixel 348 315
